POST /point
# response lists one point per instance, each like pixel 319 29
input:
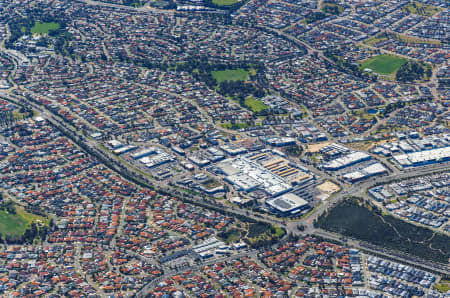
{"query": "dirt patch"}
pixel 313 148
pixel 328 187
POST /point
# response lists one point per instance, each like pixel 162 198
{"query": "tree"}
pixel 410 72
pixel 294 150
pixel 315 16
pixel 10 208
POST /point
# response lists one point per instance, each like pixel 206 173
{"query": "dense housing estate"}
pixel 224 148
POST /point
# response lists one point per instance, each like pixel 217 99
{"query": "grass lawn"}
pixel 412 39
pixel 18 115
pixel 16 224
pixel 443 286
pixel 230 75
pixel 374 40
pixel 384 64
pixel 225 2
pixel 231 236
pixel 255 104
pixel 44 28
pixel 421 9
pixel 228 125
pixel 364 115
pixel 332 8
pixel 278 232
pixel 401 37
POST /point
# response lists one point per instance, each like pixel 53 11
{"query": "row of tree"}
pixel 240 90
pixel 345 65
pixel 8 207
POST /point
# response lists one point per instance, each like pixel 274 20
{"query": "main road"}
pixel 129 172
pixel 358 189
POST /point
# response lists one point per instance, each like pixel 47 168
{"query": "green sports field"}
pixel 255 105
pixel 44 28
pixel 16 224
pixel 384 64
pixel 225 2
pixel 230 75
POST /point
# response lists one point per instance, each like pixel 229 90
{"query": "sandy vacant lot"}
pixel 328 187
pixel 316 147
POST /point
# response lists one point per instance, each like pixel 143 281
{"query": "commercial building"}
pixel 243 182
pixel 367 172
pixel 114 144
pixel 233 149
pixel 124 149
pixel 280 142
pixel 178 150
pixel 156 160
pixel 247 175
pixel 209 247
pixel 199 160
pixel 143 153
pixel 288 204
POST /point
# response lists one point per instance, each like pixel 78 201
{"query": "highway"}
pixel 358 189
pixel 386 253
pixel 128 171
pixel 133 174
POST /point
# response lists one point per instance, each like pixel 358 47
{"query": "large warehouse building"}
pixel 287 205
pixel 346 161
pixel 423 157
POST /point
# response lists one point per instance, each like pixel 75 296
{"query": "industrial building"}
pixel 346 161
pixel 334 149
pixel 424 157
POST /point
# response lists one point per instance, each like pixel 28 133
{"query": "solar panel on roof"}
pixel 282 204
